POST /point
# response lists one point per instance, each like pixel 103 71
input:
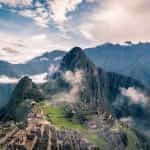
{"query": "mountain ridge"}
pixel 88 113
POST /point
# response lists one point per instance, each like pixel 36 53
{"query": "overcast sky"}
pixel 31 27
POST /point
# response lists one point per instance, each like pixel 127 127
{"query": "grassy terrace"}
pixel 56 116
pixel 133 141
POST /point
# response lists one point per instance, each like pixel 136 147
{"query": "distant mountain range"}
pixel 101 90
pixel 37 65
pixel 130 59
pixel 89 94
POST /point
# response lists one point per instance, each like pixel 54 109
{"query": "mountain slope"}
pixel 83 119
pixel 37 65
pixel 99 84
pixel 17 106
pixel 102 91
pixel 130 59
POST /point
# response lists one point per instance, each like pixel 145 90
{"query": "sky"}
pixel 29 28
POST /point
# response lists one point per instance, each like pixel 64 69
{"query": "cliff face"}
pixel 24 90
pixel 92 93
pixel 100 87
pixel 85 123
pixel 130 59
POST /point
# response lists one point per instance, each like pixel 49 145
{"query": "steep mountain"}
pixel 129 59
pixel 102 91
pixel 92 88
pixel 99 86
pixel 75 114
pixel 35 66
pixel 132 60
pixel 16 107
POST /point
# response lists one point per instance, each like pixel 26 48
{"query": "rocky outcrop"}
pixel 23 91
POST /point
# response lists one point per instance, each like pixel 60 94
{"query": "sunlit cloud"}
pixel 7 80
pixel 136 96
pixel 63 24
pixel 115 21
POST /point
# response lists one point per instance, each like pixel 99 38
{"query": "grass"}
pixel 97 140
pixel 133 140
pixel 56 116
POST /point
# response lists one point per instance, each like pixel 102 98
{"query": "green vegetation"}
pixel 97 140
pixel 21 111
pixel 57 116
pixel 133 141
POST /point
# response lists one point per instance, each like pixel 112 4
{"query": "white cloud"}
pixel 39 37
pixel 108 21
pixel 58 58
pixel 17 2
pixel 19 48
pixel 44 59
pixel 61 8
pixel 135 95
pixel 40 15
pixel 40 78
pixel 52 69
pixel 7 80
pixel 56 10
pixel 117 21
pixel 75 79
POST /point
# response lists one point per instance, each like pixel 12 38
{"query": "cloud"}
pixel 44 59
pixel 39 37
pixel 43 12
pixel 7 80
pixel 136 96
pixel 40 15
pixel 40 78
pixel 18 48
pixel 52 69
pixel 117 21
pixel 75 79
pixel 16 2
pixel 84 23
pixel 61 8
pixel 58 58
pixel 9 50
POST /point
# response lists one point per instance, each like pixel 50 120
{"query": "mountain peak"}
pixel 76 50
pixel 75 59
